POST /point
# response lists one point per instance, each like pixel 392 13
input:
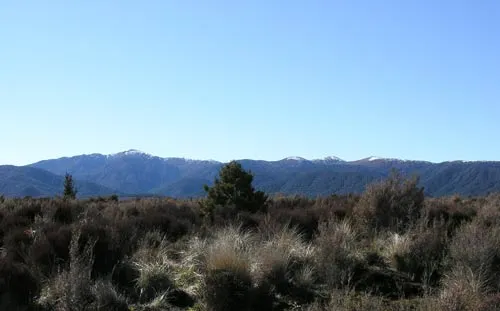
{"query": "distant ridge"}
pixel 331 158
pixel 134 172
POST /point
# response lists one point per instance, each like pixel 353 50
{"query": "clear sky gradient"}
pixel 250 79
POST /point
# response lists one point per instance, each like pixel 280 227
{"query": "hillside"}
pixel 136 172
pixel 29 181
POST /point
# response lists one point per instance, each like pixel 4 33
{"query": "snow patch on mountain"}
pixel 294 158
pixel 130 152
pixel 375 158
pixel 329 159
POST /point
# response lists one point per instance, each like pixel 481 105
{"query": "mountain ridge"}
pixel 136 172
pixel 372 158
pixel 20 181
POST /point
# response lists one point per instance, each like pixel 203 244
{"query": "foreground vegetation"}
pixel 238 249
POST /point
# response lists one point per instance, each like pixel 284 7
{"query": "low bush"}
pixel 475 247
pixel 418 253
pixel 392 204
pixel 463 290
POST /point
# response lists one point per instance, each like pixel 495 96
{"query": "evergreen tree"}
pixel 69 187
pixel 233 189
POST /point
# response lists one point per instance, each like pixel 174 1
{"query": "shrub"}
pixel 29 209
pixel 106 252
pixel 71 289
pixel 393 204
pixel 488 215
pixel 463 290
pixel 449 211
pixel 475 247
pixel 174 221
pixel 304 220
pixel 418 253
pixel 63 214
pixel 18 285
pixel 59 238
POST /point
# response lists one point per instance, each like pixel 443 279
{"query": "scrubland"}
pixel 389 248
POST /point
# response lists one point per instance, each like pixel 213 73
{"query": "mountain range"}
pixel 132 173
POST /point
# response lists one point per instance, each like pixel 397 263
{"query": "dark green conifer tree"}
pixel 233 189
pixel 69 187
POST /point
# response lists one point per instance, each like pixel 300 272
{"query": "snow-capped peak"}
pixel 329 159
pixel 375 158
pixel 130 152
pixel 133 151
pixel 294 159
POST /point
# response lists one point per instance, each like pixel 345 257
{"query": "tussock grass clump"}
pixel 106 297
pixel 230 249
pixel 228 279
pixel 153 265
pixel 285 263
pixel 154 278
pixel 418 253
pixel 339 255
pixel 395 246
pixel 463 290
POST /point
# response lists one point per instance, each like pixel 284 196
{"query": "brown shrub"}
pixel 419 253
pixel 392 204
pixel 475 247
pixel 18 285
pixel 451 211
pixel 463 290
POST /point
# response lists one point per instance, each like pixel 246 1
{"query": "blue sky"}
pixel 250 79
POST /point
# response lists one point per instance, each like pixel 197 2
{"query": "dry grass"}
pixel 230 249
pixel 394 247
pixel 463 290
pixel 282 249
pixel 106 297
pixel 419 253
pixel 476 247
pixel 71 289
pixel 339 254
